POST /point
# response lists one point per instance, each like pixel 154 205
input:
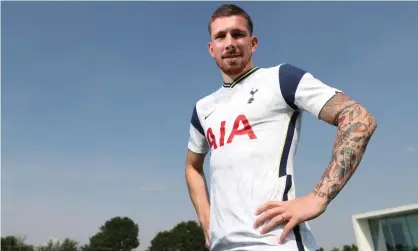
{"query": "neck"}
pixel 230 78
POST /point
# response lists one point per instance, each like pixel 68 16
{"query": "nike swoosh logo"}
pixel 207 116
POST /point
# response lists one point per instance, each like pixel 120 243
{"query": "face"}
pixel 231 44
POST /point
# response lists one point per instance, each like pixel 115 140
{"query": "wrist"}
pixel 320 199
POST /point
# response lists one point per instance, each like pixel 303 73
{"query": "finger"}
pixel 277 220
pixel 207 243
pixel 267 215
pixel 266 206
pixel 287 228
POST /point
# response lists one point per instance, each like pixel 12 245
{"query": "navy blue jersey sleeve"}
pixel 289 79
pixel 302 91
pixel 197 140
pixel 196 122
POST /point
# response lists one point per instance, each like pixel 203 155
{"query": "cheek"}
pixel 217 50
pixel 245 46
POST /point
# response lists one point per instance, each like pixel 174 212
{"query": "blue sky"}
pixel 97 99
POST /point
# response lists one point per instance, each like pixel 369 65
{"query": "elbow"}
pixel 193 168
pixel 367 121
pixel 370 124
pixel 373 123
pixel 189 168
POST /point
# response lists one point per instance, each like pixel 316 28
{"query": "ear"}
pixel 254 43
pixel 210 49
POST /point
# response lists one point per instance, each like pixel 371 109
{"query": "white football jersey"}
pixel 251 128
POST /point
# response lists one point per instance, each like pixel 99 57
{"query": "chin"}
pixel 232 69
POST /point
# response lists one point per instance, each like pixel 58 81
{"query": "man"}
pixel 251 127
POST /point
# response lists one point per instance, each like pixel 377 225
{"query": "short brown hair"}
pixel 228 10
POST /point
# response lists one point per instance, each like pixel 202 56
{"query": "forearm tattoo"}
pixel 355 128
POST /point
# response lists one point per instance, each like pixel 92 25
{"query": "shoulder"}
pixel 283 69
pixel 203 104
pixel 287 78
pixel 285 73
pixel 290 75
pixel 206 101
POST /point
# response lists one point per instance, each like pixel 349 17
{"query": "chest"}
pixel 240 114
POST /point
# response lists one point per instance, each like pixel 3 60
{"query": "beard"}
pixel 233 66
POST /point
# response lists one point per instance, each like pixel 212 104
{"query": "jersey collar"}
pixel 241 77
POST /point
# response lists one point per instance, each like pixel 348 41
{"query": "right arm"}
pixel 195 178
pixel 197 187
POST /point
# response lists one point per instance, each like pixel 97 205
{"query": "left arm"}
pixel 355 126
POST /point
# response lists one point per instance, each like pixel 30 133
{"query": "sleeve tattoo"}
pixel 355 128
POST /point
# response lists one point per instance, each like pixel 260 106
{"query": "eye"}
pixel 238 34
pixel 218 36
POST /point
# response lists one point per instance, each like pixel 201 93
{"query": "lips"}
pixel 232 56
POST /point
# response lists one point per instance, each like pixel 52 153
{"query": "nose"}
pixel 230 41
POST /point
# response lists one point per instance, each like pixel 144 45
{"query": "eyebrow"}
pixel 233 30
